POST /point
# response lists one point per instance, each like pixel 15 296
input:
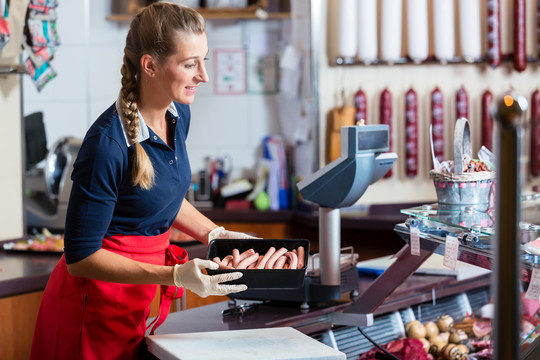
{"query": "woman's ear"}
pixel 148 65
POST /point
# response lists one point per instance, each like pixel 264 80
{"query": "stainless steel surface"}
pixel 508 112
pixel 330 245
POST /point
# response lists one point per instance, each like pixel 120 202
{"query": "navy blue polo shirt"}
pixel 103 200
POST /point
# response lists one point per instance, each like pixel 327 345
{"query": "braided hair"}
pixel 152 32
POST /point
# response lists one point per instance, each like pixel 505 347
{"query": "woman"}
pixel 129 181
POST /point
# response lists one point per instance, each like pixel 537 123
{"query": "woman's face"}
pixel 181 73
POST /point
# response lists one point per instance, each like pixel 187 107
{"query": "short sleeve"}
pixel 97 175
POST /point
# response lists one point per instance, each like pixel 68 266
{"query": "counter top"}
pixel 416 289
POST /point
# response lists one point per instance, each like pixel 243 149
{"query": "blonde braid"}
pixel 142 171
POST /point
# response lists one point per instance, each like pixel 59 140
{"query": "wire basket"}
pixel 460 187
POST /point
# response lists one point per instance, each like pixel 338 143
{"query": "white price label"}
pixel 533 291
pixel 451 252
pixel 415 241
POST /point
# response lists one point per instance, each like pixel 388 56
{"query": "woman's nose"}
pixel 202 76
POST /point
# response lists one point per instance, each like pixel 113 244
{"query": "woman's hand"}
pixel 190 276
pixel 221 233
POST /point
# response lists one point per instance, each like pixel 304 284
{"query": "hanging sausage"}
pixel 347 23
pixel 417 30
pixel 385 113
pixel 443 30
pixel 462 103
pixel 535 134
pixel 360 103
pixel 520 36
pixel 391 30
pixel 367 31
pixel 469 29
pixel 487 120
pixel 411 133
pixel 494 33
pixel 437 123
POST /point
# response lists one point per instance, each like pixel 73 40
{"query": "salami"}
pixel 494 33
pixel 417 30
pixel 411 133
pixel 437 123
pixel 487 120
pixel 462 103
pixel 385 114
pixel 520 36
pixel 360 103
pixel 535 134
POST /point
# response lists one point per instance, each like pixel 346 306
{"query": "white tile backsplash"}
pixel 88 64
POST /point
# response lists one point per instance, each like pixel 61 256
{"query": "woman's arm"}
pixel 192 222
pixel 108 266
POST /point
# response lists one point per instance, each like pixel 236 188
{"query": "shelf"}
pixel 12 69
pixel 431 60
pixel 220 15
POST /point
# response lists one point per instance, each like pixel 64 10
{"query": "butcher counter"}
pixel 23 276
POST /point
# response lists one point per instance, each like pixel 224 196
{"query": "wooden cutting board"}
pixel 269 343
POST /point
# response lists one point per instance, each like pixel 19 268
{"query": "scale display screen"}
pixel 372 140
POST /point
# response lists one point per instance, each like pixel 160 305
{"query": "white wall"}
pixel 476 78
pixel 11 214
pixel 88 63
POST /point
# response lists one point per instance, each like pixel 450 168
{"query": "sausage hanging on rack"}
pixel 417 30
pixel 367 31
pixel 520 36
pixel 470 38
pixel 348 22
pixel 411 133
pixel 535 134
pixel 385 114
pixel 487 120
pixel 391 12
pixel 437 123
pixel 462 103
pixel 360 103
pixel 494 33
pixel 444 30
pixel 538 30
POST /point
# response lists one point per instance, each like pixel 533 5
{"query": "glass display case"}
pixel 474 227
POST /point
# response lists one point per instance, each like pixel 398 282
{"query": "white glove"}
pixel 221 233
pixel 190 276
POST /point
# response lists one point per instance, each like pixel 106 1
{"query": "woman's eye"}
pixel 190 66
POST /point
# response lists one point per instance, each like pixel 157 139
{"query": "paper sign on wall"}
pixel 230 71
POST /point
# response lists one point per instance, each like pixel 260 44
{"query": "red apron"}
pixel 81 318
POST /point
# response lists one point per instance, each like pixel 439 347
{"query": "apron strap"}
pixel 173 255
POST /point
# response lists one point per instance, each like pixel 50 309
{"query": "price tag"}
pixel 533 292
pixel 451 252
pixel 415 240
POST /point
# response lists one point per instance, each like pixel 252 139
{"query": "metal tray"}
pixel 261 278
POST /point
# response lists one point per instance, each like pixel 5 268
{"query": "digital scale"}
pixel 364 160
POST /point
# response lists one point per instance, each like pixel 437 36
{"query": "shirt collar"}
pixel 144 133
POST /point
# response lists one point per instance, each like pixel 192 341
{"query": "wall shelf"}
pixel 12 69
pixel 220 15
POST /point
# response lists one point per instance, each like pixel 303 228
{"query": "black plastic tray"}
pixel 261 278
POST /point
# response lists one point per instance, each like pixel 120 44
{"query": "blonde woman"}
pixel 129 183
